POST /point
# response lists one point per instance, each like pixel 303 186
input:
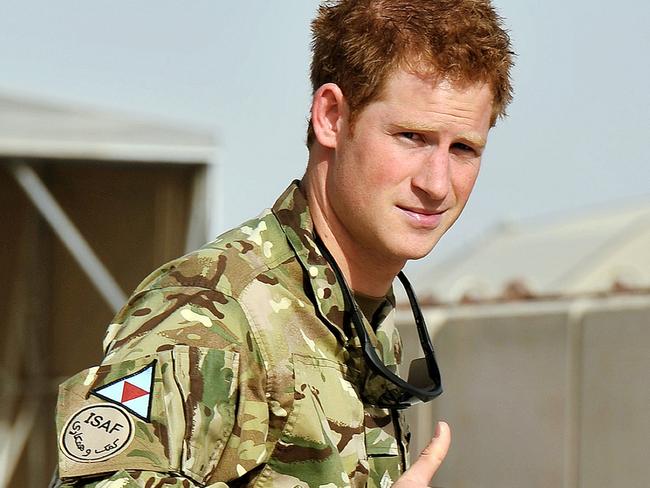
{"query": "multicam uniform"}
pixel 235 365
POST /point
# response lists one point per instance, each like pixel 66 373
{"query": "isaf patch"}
pixel 96 433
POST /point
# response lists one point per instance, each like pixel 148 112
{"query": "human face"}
pixel 403 175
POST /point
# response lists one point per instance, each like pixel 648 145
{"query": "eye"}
pixel 465 149
pixel 411 136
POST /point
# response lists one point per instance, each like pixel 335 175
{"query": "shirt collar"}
pixel 292 212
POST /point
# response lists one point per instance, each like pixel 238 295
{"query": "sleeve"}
pixel 149 479
pixel 178 400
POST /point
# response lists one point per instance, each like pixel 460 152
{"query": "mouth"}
pixel 423 217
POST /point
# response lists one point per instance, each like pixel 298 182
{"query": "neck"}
pixel 364 272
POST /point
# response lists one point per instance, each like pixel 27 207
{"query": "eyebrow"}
pixel 470 137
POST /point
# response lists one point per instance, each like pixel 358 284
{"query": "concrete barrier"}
pixel 540 394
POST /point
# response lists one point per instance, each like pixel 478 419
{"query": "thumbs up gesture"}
pixel 422 470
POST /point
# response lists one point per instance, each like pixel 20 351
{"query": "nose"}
pixel 433 176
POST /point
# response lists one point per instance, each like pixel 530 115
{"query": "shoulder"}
pixel 229 263
pixel 197 299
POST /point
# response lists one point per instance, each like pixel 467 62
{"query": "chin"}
pixel 419 255
pixel 417 252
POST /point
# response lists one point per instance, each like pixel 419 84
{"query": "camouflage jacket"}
pixel 235 365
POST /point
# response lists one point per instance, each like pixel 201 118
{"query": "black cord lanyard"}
pixel 405 393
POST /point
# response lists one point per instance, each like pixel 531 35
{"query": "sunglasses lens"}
pixel 382 392
pixel 419 374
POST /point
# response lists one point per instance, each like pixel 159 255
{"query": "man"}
pixel 241 364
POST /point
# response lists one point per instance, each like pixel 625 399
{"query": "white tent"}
pixel 31 128
pixel 598 251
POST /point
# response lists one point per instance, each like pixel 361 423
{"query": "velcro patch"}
pixel 96 433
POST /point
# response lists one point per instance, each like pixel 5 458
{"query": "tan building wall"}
pixel 52 318
pixel 553 394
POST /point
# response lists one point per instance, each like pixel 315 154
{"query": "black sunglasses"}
pixel 386 389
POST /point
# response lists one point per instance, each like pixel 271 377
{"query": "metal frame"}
pixel 65 229
pixel 23 347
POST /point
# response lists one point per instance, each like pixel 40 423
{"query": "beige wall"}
pixel 544 395
pixel 52 319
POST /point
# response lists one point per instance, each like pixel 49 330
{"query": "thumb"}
pixel 430 459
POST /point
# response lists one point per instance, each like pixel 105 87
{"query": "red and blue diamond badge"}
pixel 133 392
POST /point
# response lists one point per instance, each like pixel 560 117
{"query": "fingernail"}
pixel 436 434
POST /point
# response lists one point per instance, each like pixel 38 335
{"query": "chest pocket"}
pixel 323 440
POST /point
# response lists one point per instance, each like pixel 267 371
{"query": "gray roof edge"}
pixel 527 307
pixel 68 106
pixel 16 149
pixel 32 127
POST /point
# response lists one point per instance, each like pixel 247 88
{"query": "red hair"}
pixel 357 44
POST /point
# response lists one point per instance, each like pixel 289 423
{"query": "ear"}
pixel 328 113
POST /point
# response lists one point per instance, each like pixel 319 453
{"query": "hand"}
pixel 422 470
